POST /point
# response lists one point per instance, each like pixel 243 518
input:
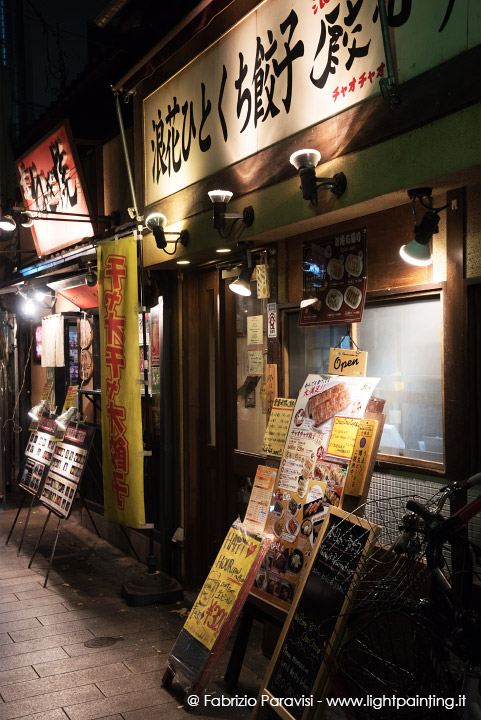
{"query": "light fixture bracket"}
pixel 156 223
pixel 305 162
pixel 219 199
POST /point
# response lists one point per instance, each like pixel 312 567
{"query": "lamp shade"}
pixel 305 158
pixel 416 254
pixel 222 196
pixel 7 223
pixel 242 286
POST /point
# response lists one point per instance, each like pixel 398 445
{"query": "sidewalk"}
pixel 48 667
pixel 47 670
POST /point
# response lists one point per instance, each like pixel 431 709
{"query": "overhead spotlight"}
pixel 39 409
pixel 156 222
pixel 66 417
pixel 417 251
pixel 219 199
pixel 7 223
pixel 91 276
pixel 305 161
pixel 242 285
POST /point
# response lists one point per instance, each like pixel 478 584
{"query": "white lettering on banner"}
pixel 280 70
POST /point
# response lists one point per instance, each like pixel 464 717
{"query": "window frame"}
pixel 394 463
pixel 384 462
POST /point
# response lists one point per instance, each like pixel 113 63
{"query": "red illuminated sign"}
pixel 49 180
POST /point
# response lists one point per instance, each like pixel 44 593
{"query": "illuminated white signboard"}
pixel 285 67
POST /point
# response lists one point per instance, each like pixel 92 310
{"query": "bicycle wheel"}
pixel 388 660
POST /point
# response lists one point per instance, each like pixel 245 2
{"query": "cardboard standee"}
pixel 298 672
pixel 216 610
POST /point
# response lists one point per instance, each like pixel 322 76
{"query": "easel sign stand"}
pixel 215 611
pixel 62 482
pixel 38 455
pixel 297 679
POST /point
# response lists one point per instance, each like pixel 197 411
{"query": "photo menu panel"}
pixel 38 456
pixel 66 469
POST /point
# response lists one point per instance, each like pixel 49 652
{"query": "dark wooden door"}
pixel 209 500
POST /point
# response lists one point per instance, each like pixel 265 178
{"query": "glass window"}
pixel 308 349
pixel 251 330
pixel 403 340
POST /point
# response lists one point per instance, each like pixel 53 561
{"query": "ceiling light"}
pixel 183 262
pixel 305 162
pixel 223 250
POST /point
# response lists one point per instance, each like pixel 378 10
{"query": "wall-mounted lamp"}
pixel 242 285
pixel 305 162
pixel 417 251
pixel 91 276
pixel 156 222
pixel 219 199
pixel 39 409
pixel 63 420
pixel 7 223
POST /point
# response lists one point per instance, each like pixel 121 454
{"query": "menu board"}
pixel 66 469
pixel 309 481
pixel 278 427
pixel 316 620
pixel 38 455
pixel 260 499
pixel 216 609
pixel 335 277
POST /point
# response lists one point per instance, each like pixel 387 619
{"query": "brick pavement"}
pixel 46 670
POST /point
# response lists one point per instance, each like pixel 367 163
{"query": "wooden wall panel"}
pixel 386 232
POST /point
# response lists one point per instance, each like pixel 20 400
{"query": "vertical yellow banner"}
pixel 123 467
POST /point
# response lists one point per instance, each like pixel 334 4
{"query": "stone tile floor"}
pixel 47 672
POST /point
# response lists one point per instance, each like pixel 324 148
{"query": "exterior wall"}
pixel 378 177
pixel 473 233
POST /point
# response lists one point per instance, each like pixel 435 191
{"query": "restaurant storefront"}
pixel 224 103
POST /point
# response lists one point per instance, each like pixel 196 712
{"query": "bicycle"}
pixel 409 635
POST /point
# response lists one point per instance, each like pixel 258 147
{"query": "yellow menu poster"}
pixel 343 437
pixel 224 583
pixel 278 427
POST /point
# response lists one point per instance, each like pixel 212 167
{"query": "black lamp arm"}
pixel 336 184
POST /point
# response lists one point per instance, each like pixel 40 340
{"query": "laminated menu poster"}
pixel 309 481
pixel 38 455
pixel 335 278
pixel 260 499
pixel 278 427
pixel 66 469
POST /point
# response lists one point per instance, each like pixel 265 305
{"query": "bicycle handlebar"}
pixel 418 508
